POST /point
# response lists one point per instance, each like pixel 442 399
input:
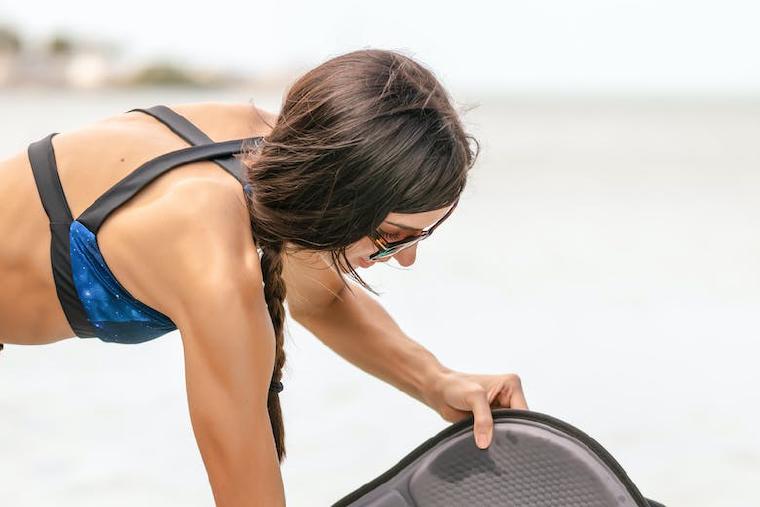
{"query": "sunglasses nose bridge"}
pixel 387 252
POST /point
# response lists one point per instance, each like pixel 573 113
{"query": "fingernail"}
pixel 481 439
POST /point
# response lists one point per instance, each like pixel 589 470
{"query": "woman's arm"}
pixel 229 355
pixel 357 327
pixel 190 255
pixel 360 330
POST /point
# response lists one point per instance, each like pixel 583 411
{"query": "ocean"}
pixel 606 250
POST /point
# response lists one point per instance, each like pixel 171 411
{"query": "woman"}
pixel 365 159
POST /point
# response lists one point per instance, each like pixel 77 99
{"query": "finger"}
pixel 518 399
pixel 500 397
pixel 483 421
pixel 454 415
pixel 512 395
pixel 505 397
pixel 493 394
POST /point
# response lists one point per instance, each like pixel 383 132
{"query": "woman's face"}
pixel 395 227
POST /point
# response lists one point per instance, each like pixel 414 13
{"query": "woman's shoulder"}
pixel 227 120
pixel 218 120
pixel 196 236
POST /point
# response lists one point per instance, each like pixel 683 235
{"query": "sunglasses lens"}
pixel 381 254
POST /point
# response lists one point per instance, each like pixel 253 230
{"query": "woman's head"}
pixel 397 237
pixel 366 143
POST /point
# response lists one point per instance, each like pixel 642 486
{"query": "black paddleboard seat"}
pixel 534 460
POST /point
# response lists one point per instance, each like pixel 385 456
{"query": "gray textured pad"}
pixel 529 463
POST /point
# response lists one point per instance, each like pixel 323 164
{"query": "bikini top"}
pixel 93 300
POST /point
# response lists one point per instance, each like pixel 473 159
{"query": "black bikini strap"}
pixel 185 129
pixel 45 171
pixel 126 188
pixel 177 123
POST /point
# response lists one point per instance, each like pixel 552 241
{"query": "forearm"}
pixel 360 330
pixel 243 476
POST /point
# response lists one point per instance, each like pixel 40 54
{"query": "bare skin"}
pixel 183 246
pixel 89 162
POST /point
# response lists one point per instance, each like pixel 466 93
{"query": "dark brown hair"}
pixel 362 135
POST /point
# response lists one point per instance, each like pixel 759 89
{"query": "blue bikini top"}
pixel 95 303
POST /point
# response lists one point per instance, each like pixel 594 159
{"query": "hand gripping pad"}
pixel 534 460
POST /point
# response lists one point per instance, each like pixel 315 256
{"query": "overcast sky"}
pixel 537 44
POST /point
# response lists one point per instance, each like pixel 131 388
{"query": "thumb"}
pixel 483 425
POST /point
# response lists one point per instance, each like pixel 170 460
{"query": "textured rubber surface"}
pixel 533 460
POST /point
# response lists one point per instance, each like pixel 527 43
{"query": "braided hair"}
pixel 362 135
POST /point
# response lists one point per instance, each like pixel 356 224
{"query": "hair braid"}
pixel 364 134
pixel 274 294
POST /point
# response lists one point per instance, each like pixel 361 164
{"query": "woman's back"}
pixel 89 162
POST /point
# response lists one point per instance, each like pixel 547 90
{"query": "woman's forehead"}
pixel 416 221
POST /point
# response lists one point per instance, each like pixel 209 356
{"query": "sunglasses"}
pixel 386 249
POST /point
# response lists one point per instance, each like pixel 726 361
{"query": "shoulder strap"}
pixel 185 129
pixel 94 216
pixel 177 123
pixel 45 171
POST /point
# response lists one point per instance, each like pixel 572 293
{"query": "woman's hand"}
pixel 457 395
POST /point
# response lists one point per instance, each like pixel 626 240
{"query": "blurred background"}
pixel 605 249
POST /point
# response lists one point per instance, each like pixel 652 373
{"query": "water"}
pixel 606 250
